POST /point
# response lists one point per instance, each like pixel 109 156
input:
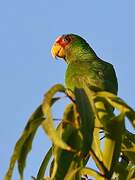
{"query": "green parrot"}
pixel 84 64
pixel 85 67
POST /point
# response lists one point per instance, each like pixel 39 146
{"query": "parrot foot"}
pixel 86 177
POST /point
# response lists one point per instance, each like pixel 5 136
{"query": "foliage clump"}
pixel 77 138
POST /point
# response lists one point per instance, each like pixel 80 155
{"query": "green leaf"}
pixel 80 140
pixel 128 145
pixel 91 172
pixel 44 165
pixel 113 139
pixel 75 165
pixel 82 172
pixel 48 125
pixel 87 117
pixel 98 162
pixel 73 174
pixel 121 170
pixel 85 122
pixel 70 133
pixel 131 174
pixel 96 140
pixel 23 145
pixel 117 103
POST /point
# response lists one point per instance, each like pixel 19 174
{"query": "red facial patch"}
pixel 58 39
pixel 63 40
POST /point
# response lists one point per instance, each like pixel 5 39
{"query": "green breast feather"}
pixel 97 74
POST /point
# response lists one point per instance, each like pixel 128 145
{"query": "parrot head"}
pixel 70 47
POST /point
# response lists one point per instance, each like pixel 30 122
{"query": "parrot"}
pixel 83 63
pixel 85 67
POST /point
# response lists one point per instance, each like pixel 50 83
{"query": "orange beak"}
pixel 57 51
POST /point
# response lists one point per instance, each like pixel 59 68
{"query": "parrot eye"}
pixel 63 40
pixel 66 39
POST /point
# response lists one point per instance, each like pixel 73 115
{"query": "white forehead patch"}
pixel 58 38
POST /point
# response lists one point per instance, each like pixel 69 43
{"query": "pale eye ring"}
pixel 66 39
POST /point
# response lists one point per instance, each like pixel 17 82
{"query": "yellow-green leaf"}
pixel 48 125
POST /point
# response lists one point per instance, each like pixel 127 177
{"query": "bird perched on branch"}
pixel 86 72
pixel 84 65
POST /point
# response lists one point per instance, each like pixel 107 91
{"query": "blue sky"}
pixel 27 70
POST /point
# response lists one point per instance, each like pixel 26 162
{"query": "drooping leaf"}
pixel 71 137
pixel 69 131
pixel 48 125
pixel 127 138
pixel 117 103
pixel 113 139
pixel 85 120
pixel 23 145
pixel 87 117
pixel 97 126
